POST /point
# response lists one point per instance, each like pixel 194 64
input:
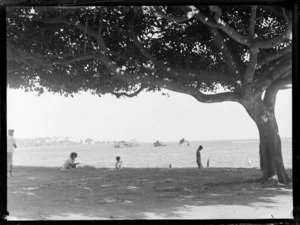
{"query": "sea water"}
pixel 224 153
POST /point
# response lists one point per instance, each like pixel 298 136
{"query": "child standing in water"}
pixel 198 157
pixel 118 163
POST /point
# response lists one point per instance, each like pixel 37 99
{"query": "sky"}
pixel 146 118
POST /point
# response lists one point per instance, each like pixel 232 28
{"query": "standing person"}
pixel 70 162
pixel 198 157
pixel 11 145
pixel 118 163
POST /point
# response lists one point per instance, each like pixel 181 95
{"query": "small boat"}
pixel 183 141
pixel 158 144
pixel 126 144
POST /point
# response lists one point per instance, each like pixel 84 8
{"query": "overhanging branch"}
pixel 29 58
pixel 119 94
pixel 275 56
pixel 233 69
pixel 100 22
pixel 74 59
pixel 271 92
pixel 222 25
pixel 179 87
pixel 266 44
pixel 252 20
pixel 84 35
pixel 251 67
pixel 164 15
pixel 282 83
pixel 95 34
pixel 48 61
pixel 125 58
pixel 281 70
pixel 144 51
pixel 278 11
pixel 81 26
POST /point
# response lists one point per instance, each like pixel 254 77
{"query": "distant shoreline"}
pixel 22 138
pixel 45 144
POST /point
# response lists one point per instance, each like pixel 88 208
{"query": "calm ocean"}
pixel 225 153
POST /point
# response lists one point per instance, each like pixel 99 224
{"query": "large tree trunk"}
pixel 271 161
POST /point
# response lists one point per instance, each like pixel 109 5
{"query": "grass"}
pixel 144 193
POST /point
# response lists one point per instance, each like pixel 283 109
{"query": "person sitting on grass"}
pixel 118 163
pixel 70 162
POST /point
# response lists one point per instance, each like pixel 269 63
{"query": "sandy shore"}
pixel 40 193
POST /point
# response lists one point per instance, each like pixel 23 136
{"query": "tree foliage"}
pixel 122 50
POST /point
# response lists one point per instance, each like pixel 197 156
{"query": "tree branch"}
pixel 251 67
pixel 265 44
pixel 278 11
pixel 252 20
pixel 158 80
pixel 100 22
pixel 125 58
pixel 25 57
pixel 183 76
pixel 164 15
pixel 142 49
pixel 217 11
pixel 285 16
pixel 222 25
pixel 100 39
pixel 219 97
pixel 48 61
pixel 178 87
pixel 75 59
pixel 282 83
pixel 84 35
pixel 275 56
pixel 80 26
pixel 245 40
pixel 95 34
pixel 271 92
pixel 279 71
pixel 9 71
pixel 233 69
pixel 119 94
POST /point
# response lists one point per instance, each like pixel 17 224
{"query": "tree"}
pixel 89 141
pixel 213 53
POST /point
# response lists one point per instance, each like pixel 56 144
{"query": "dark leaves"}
pixel 38 49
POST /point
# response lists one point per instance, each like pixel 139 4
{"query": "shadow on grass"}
pixel 152 193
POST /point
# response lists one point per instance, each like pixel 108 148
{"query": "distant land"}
pixel 61 141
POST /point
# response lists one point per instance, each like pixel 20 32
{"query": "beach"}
pixel 89 193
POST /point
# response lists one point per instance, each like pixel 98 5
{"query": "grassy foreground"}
pixel 144 193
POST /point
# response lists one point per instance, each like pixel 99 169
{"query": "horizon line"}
pixel 96 140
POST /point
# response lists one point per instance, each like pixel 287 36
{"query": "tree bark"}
pixel 271 161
